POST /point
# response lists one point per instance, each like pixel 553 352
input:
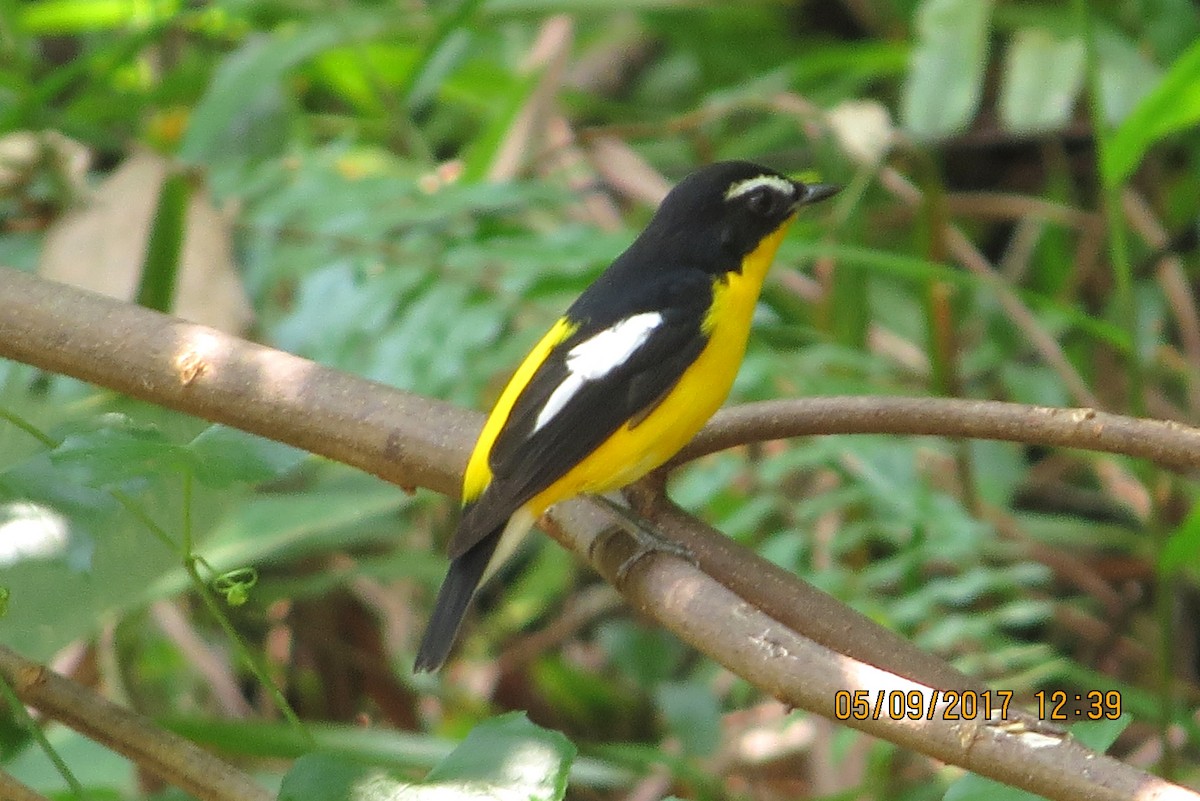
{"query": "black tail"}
pixel 458 588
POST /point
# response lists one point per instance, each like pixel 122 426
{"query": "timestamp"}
pixel 1058 705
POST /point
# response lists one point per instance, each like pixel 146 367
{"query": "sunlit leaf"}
pixel 503 758
pixel 75 16
pixel 1126 75
pixel 1174 104
pixel 945 75
pixel 1041 81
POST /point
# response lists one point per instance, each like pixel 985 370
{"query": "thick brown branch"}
pixel 416 442
pixel 404 438
pixel 168 756
pixel 804 674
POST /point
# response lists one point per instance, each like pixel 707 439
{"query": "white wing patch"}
pixel 781 185
pixel 596 357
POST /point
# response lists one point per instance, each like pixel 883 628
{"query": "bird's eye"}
pixel 762 202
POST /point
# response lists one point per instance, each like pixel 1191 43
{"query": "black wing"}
pixel 525 461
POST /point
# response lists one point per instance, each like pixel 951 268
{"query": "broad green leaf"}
pixel 503 758
pixel 1126 75
pixel 945 76
pixel 280 527
pixel 692 714
pixel 1042 78
pixel 383 747
pixel 1174 104
pixel 242 106
pixel 117 453
pixel 224 456
pixel 512 755
pixel 74 572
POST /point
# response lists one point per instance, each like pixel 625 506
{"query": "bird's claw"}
pixel 648 539
pixel 650 542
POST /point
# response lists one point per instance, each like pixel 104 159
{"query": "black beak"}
pixel 815 193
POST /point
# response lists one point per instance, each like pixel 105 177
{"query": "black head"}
pixel 721 212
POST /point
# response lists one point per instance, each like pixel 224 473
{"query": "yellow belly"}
pixel 632 452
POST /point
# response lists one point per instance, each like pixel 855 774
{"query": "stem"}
pixel 1125 301
pixel 22 715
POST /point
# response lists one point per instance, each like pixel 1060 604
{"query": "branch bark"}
pixel 1173 445
pixel 13 790
pixel 778 642
pixel 170 757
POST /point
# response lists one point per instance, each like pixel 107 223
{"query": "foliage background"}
pixel 414 192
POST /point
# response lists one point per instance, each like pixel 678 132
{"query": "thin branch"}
pixel 969 256
pixel 406 439
pixel 962 249
pixel 1168 443
pixel 168 756
pixel 13 790
pixel 1175 287
pixel 413 441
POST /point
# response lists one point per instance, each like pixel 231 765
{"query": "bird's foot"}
pixel 647 539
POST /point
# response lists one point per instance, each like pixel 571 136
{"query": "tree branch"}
pixel 1170 444
pixel 13 790
pixel 168 756
pixel 412 441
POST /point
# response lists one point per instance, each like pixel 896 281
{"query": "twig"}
pixel 168 756
pixel 969 256
pixel 1165 442
pixel 1175 286
pixel 413 441
pixel 211 665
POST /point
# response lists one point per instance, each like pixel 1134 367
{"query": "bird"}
pixel 626 377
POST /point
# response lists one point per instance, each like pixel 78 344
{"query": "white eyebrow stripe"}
pixel 596 357
pixel 781 185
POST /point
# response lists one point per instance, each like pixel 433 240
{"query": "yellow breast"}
pixel 632 452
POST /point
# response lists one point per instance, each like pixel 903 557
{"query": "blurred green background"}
pixel 413 191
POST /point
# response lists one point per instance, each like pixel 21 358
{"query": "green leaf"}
pixel 693 715
pixel 1183 546
pixel 224 456
pixel 1042 78
pixel 156 289
pixel 1174 104
pixel 503 758
pixel 243 102
pixel 76 16
pixel 512 755
pixel 319 777
pixel 119 452
pixel 945 76
pixel 377 746
pixel 1099 735
pixel 1125 74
